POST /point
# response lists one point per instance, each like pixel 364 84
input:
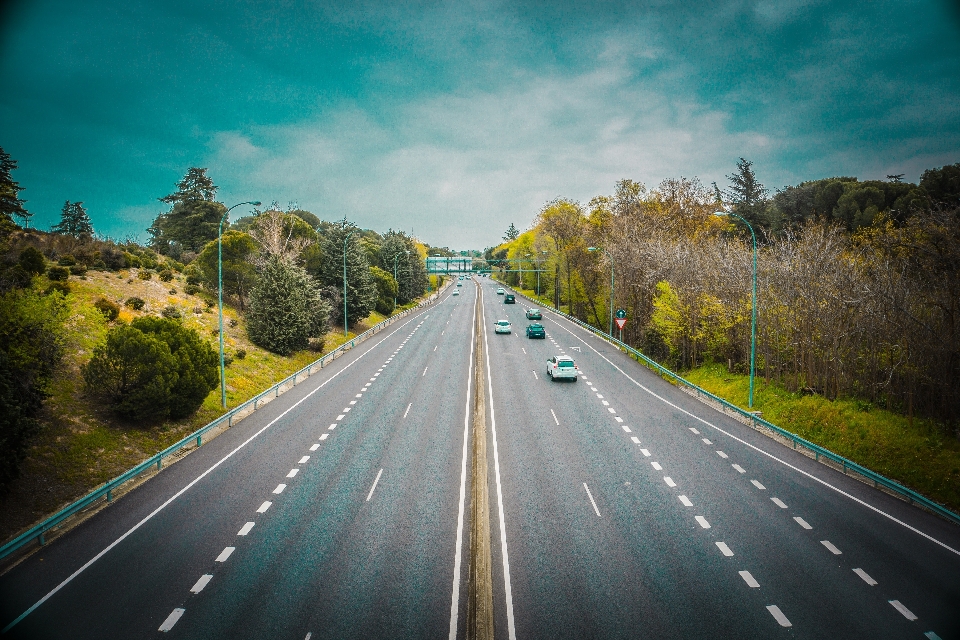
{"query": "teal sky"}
pixel 455 119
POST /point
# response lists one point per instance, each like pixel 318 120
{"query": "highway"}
pixel 620 507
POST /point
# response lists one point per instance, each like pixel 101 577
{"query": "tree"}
pixel 386 288
pixel 74 221
pixel 943 184
pixel 239 274
pixel 411 266
pixel 10 202
pixel 361 289
pixel 194 217
pixel 512 233
pixel 32 261
pixel 286 308
pixel 748 196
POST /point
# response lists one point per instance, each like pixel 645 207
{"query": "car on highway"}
pixel 536 331
pixel 459 284
pixel 562 368
pixel 500 291
pixel 509 299
pixel 502 326
pixel 534 314
pixel 455 292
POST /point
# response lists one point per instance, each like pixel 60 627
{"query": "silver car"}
pixel 562 368
pixel 502 326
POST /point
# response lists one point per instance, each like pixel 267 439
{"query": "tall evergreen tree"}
pixel 10 202
pixel 74 221
pixel 748 196
pixel 512 233
pixel 411 267
pixel 286 309
pixel 193 219
pixel 361 289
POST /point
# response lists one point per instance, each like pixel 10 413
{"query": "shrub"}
pixel 114 259
pixel 58 274
pixel 62 287
pixel 135 303
pixel 132 260
pixel 227 359
pixel 108 308
pixel 32 261
pixel 78 270
pixel 198 310
pixel 191 289
pixel 166 275
pixel 193 276
pixel 144 274
pixel 171 312
pixel 241 354
pixel 172 292
pixel 153 368
pixel 67 260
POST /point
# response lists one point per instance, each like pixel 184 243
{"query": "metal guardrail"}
pixel 106 490
pixel 818 451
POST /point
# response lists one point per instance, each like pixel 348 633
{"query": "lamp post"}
pixel 223 372
pixel 610 258
pixel 753 328
pixel 395 277
pixel 345 240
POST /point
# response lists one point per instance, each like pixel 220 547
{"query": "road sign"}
pixel 620 322
pixel 621 313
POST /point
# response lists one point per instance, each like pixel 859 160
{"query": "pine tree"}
pixel 10 202
pixel 74 221
pixel 512 233
pixel 361 289
pixel 193 219
pixel 411 267
pixel 748 196
pixel 286 309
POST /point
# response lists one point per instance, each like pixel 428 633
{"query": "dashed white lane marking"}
pixel 686 501
pixel 758 485
pixel 201 583
pixel 359 395
pixel 599 396
pixel 617 418
pixel 694 430
pixel 331 428
pixel 749 579
pixel 705 441
pixel 909 615
pixel 293 472
pixel 535 375
pixel 802 523
pixel 626 428
pixel 245 529
pixel 779 503
pixel 611 410
pixel 645 452
pixel 724 549
pixel 702 522
pixel 590 495
pixel 424 371
pixel 323 436
pixel 435 348
pixel 280 488
pixel 226 554
pixel 635 439
pixel 669 481
pixel 524 350
pixel 304 459
pixel 930 635
pixel 346 409
pixel 604 402
pixel 554 417
pixel 314 446
pixel 739 468
pixel 408 410
pixel 656 465
pixel 171 620
pixel 370 495
pixel 829 545
pixel 340 417
pixel 722 454
pixel 866 578
pixel 263 508
pixel 371 380
pixel 778 615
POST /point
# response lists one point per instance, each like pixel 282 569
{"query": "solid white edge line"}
pixel 374 487
pixel 765 453
pixel 508 591
pixel 179 493
pixel 590 495
pixel 458 556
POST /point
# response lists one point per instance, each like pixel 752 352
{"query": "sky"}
pixel 452 120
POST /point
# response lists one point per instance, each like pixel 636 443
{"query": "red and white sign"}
pixel 620 322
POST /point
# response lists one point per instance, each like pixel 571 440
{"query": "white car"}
pixel 455 292
pixel 562 368
pixel 500 291
pixel 502 326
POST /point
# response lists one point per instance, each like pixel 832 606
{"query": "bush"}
pixel 241 354
pixel 67 260
pixel 135 303
pixel 193 276
pixel 108 308
pixel 58 274
pixel 171 312
pixel 166 275
pixel 62 287
pixel 132 260
pixel 191 289
pixel 32 261
pixel 78 270
pixel 152 369
pixel 172 292
pixel 114 259
pixel 144 274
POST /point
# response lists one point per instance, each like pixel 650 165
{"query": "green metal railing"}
pixel 105 492
pixel 819 452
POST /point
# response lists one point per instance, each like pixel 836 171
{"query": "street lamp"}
pixel 753 329
pixel 223 373
pixel 345 240
pixel 395 277
pixel 610 258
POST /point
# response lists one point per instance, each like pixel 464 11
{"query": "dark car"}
pixel 536 331
pixel 509 299
pixel 534 314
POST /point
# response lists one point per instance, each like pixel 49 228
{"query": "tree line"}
pixel 858 281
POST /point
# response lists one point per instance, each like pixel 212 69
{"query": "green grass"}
pixel 922 457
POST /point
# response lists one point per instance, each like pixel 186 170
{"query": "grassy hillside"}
pixel 82 444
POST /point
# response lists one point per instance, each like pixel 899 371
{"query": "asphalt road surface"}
pixel 620 507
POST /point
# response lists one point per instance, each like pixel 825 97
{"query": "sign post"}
pixel 621 320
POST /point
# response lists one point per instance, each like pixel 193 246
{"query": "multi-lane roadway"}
pixel 619 507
